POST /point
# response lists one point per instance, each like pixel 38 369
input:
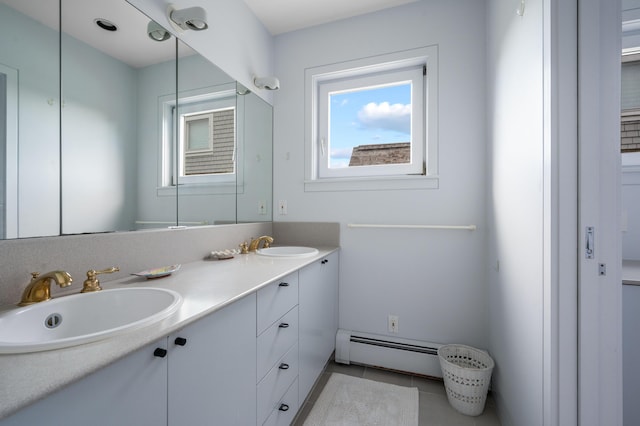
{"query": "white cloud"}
pixel 385 116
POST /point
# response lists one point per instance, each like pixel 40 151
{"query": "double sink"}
pixel 83 318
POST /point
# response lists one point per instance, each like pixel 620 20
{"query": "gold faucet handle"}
pixel 106 271
pixel 244 248
pixel 92 283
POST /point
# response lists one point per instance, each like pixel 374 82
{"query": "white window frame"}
pixel 187 130
pixel 322 79
pixel 193 108
pixel 414 76
pixel 216 98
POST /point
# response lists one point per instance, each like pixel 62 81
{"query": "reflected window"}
pixel 208 143
pixel 202 149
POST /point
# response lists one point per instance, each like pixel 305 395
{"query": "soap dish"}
pixel 224 254
pixel 163 271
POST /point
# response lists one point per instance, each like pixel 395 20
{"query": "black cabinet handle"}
pixel 160 353
pixel 283 407
pixel 325 261
pixel 283 325
pixel 180 341
pixel 284 284
pixel 284 366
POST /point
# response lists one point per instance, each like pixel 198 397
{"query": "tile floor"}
pixel 434 407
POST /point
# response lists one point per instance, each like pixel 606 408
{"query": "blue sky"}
pixel 377 115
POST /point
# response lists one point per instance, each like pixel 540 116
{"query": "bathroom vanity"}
pixel 247 344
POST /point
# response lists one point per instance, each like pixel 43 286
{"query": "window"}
pixel 368 124
pixel 201 155
pixel 373 123
pixel 207 145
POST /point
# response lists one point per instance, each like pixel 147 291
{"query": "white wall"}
pixel 434 280
pixel 254 130
pixel 39 184
pixel 515 197
pixel 99 126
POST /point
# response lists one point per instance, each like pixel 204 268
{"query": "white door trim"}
pixel 600 307
pixel 560 315
pixel 11 153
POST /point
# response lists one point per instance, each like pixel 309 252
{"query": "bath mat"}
pixel 352 401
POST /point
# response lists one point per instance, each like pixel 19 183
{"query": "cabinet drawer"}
pixel 275 300
pixel 286 408
pixel 276 341
pixel 272 388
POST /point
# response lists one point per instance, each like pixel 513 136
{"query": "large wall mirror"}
pixel 105 131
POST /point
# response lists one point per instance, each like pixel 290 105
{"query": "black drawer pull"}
pixel 284 366
pixel 283 325
pixel 284 284
pixel 160 353
pixel 283 407
pixel 180 341
pixel 325 261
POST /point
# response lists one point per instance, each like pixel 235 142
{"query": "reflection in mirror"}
pixel 107 159
pixel 111 82
pixel 255 131
pixel 205 164
pixel 29 167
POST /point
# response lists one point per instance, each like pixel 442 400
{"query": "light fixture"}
pixel 105 24
pixel 156 32
pixel 269 83
pixel 242 90
pixel 191 18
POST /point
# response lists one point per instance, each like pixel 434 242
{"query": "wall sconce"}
pixel 269 83
pixel 156 32
pixel 191 18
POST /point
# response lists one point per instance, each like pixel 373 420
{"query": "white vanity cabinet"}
pixel 252 362
pixel 202 374
pixel 277 351
pixel 318 307
pixel 131 391
pixel 212 368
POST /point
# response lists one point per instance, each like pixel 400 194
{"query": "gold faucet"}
pixel 253 246
pixel 92 283
pixel 39 289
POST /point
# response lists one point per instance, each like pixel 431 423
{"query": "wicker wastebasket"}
pixel 467 373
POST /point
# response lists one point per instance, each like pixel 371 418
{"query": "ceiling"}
pixel 129 44
pixel 281 16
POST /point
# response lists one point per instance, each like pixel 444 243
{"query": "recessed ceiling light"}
pixel 105 24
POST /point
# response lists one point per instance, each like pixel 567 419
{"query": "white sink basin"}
pixel 288 251
pixel 82 318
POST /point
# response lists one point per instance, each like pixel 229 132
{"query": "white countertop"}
pixel 631 272
pixel 205 286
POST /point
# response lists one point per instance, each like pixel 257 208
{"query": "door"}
pixel 599 289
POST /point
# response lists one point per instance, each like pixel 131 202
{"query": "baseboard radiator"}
pixel 411 356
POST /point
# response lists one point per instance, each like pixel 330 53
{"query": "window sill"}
pixel 201 189
pixel 372 184
pixel 630 175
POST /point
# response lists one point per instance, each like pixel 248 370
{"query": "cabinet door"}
pixel 131 391
pixel 318 318
pixel 212 368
